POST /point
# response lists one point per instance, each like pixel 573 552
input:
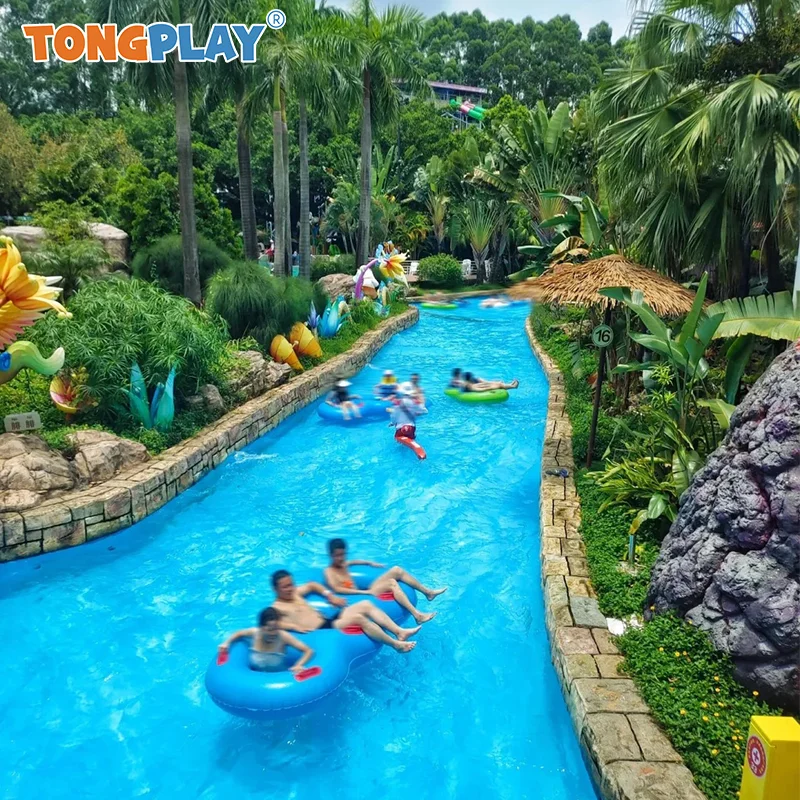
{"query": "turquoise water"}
pixel 105 646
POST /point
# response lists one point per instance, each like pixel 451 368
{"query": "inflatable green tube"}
pixel 493 396
pixel 439 306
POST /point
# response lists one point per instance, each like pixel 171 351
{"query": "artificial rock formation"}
pixel 31 471
pixel 338 285
pixel 99 456
pixel 731 561
pixel 260 375
pixel 115 241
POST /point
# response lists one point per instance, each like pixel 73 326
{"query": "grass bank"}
pixel 688 685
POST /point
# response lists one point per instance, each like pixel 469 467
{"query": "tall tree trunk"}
pixel 305 200
pixel 246 200
pixel 183 134
pixel 365 198
pixel 743 257
pixel 279 257
pixel 286 189
pixel 772 257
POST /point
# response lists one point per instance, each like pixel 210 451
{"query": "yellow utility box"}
pixel 772 760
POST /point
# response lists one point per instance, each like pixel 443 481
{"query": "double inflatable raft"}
pixel 493 396
pixel 240 690
pixel 368 411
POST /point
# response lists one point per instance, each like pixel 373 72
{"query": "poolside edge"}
pixel 629 756
pixel 78 517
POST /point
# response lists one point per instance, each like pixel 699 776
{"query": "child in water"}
pixel 268 645
pixel 341 398
pixel 405 411
pixel 387 385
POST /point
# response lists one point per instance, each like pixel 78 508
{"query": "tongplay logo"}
pixel 147 43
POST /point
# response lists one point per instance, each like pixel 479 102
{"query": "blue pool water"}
pixel 105 646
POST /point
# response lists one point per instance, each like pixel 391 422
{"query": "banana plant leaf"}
pixel 685 464
pixel 165 411
pixel 738 356
pixel 769 315
pixel 721 410
pixel 693 317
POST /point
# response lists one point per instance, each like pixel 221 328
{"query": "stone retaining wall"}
pixel 629 756
pixel 78 517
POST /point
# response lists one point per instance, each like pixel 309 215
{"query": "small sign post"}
pixel 602 337
pixel 21 423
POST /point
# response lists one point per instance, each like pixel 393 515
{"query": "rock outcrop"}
pixel 731 561
pixel 260 375
pixel 338 284
pixel 115 241
pixel 208 398
pixel 30 472
pixel 99 456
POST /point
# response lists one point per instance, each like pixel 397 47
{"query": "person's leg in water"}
pixel 390 582
pixel 488 386
pixel 349 409
pixel 375 623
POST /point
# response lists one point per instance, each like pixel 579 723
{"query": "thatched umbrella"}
pixel 579 284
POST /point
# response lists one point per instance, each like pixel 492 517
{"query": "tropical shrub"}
pixel 162 262
pixel 441 270
pixel 76 262
pixel 253 303
pixel 64 222
pixel 145 207
pixel 115 323
pixel 330 265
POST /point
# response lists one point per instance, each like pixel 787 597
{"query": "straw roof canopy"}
pixel 578 284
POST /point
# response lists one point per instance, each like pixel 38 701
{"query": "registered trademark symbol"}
pixel 276 19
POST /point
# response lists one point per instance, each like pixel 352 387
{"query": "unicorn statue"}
pixel 386 266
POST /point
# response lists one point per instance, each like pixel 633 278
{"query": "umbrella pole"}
pixel 598 389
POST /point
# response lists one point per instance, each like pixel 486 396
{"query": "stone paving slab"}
pixel 83 515
pixel 630 757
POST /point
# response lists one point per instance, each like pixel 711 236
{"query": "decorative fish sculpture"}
pixel 282 351
pixel 303 341
pixel 26 355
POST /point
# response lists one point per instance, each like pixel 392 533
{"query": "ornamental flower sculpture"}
pixel 387 265
pixel 23 299
pixel 69 393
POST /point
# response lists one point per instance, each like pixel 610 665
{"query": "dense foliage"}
pixel 116 323
pixel 253 303
pixel 441 270
pixel 160 262
pixel 690 689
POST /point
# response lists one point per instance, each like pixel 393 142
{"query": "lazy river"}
pixel 106 645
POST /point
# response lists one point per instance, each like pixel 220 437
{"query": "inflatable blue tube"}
pixel 252 694
pixel 385 389
pixel 370 410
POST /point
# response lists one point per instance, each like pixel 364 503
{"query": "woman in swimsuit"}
pixel 268 644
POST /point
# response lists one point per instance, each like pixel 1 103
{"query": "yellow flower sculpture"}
pixel 392 267
pixel 23 297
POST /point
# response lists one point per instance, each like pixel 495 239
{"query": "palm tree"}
pixel 155 81
pixel 537 155
pixel 238 81
pixel 703 137
pixel 325 43
pixel 280 54
pixel 479 220
pixel 381 60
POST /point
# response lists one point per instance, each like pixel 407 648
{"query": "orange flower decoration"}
pixel 23 297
